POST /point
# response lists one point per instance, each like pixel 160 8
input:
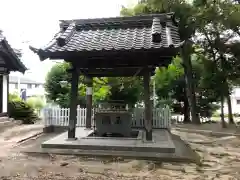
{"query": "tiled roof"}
pixel 1 36
pixel 125 33
pixel 16 64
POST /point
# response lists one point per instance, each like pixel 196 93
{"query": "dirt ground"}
pixel 220 160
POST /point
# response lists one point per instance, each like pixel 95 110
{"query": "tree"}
pixel 185 13
pixel 170 83
pixel 212 26
pixel 58 86
pixel 36 103
pixel 218 24
pixel 127 89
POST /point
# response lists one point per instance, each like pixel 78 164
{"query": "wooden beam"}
pixel 115 72
pixel 146 54
pixel 123 62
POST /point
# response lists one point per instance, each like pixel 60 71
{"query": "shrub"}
pixel 20 110
pixel 35 102
pixel 14 97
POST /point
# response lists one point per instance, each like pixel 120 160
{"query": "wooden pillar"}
pixel 1 93
pixel 5 93
pixel 148 110
pixel 89 91
pixel 73 104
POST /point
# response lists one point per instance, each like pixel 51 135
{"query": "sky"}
pixel 34 22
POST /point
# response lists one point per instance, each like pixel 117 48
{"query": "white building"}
pixel 235 101
pixel 32 87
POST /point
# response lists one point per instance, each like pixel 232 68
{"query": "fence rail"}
pixel 161 117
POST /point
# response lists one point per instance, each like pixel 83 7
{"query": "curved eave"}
pixel 14 66
pixel 45 53
pixel 12 56
pixel 42 54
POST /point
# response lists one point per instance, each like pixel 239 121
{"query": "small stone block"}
pixel 71 139
pixel 148 141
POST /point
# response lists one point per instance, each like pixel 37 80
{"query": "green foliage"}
pixel 183 10
pixel 104 89
pixel 60 93
pixel 101 90
pixel 20 110
pixel 139 9
pixel 170 85
pixel 14 97
pixel 213 25
pixel 127 89
pixel 35 102
pixel 166 78
pixel 53 87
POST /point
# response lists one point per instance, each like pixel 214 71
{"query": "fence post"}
pixel 169 118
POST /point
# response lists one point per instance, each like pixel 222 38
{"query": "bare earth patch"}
pixel 220 160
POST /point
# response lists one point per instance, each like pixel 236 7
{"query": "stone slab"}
pixel 183 152
pixel 162 142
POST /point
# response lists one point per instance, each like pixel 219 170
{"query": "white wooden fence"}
pixel 60 117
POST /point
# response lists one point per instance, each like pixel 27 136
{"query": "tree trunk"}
pixel 187 64
pixel 186 109
pixel 226 92
pixel 222 112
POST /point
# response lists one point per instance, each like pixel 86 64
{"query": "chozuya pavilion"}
pixel 108 47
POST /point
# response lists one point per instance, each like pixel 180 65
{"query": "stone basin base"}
pixel 162 142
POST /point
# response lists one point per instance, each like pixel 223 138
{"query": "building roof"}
pixel 106 34
pixel 9 58
pixel 138 41
pixel 23 80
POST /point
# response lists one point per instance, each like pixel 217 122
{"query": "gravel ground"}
pixel 220 160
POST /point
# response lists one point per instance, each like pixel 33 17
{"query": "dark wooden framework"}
pixel 123 46
pixel 9 61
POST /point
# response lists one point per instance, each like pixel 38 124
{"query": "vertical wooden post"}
pixel 148 110
pixel 4 93
pixel 8 93
pixel 73 105
pixel 89 91
pixel 1 93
